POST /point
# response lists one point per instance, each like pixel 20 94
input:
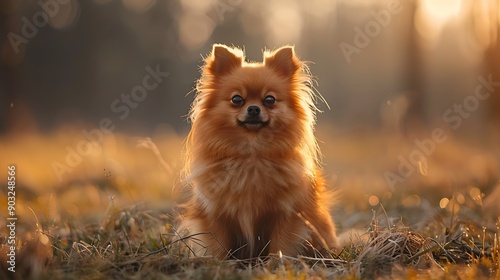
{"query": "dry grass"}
pixel 113 216
pixel 135 243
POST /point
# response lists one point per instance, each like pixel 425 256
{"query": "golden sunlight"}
pixel 485 14
pixel 373 200
pixel 284 22
pixel 433 15
pixel 440 11
pixel 444 202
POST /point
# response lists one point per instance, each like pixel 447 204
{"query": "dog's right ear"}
pixel 283 61
pixel 224 59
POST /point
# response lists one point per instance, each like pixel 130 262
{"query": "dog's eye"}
pixel 269 100
pixel 237 100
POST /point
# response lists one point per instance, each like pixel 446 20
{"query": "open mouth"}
pixel 253 123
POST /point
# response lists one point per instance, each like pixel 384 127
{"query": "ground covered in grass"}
pixel 136 243
pixel 113 215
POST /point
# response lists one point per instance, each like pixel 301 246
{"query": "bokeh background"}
pixel 391 72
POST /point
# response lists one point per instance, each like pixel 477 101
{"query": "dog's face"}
pixel 253 108
pixel 251 96
pixel 255 98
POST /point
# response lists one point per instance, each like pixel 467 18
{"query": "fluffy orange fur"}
pixel 256 184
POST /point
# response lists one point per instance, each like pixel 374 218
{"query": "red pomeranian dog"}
pixel 253 160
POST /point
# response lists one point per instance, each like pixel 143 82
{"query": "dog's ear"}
pixel 223 59
pixel 283 60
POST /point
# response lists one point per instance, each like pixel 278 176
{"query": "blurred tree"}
pixel 415 116
pixel 483 18
pixel 14 114
pixel 492 57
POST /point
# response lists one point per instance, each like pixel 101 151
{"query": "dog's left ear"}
pixel 283 61
pixel 224 59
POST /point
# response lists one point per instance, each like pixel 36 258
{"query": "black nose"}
pixel 253 111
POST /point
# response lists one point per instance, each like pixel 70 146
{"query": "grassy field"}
pixel 107 211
